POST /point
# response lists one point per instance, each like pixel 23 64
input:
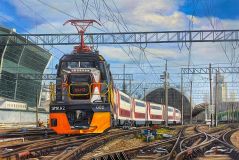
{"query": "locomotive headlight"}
pixel 96 74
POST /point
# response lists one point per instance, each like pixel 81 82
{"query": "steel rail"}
pixel 132 152
pixel 226 137
pixel 37 149
pixel 198 150
pixel 93 143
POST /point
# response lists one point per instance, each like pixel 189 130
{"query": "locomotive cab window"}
pixel 78 64
pixel 87 64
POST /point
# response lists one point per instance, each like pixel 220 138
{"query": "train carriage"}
pixel 171 115
pixel 155 113
pixel 139 111
pixel 177 116
pixel 123 108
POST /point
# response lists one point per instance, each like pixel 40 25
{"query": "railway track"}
pixel 60 146
pixel 133 152
pixel 38 148
pixel 159 150
pixel 215 145
pixel 90 145
pixel 191 142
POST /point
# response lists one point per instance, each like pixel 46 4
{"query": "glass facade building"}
pixel 29 59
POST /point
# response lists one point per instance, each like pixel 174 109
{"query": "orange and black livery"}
pixel 81 98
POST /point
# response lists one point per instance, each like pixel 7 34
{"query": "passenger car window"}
pixel 140 104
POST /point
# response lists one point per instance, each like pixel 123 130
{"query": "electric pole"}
pixel 166 94
pixel 210 81
pixel 232 121
pixel 181 97
pixel 146 104
pixel 130 87
pixel 215 105
pixel 37 102
pixel 145 94
pixel 227 113
pixel 124 86
pixel 191 109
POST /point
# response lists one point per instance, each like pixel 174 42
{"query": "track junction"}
pixel 190 142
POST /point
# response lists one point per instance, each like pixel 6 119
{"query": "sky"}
pixel 44 16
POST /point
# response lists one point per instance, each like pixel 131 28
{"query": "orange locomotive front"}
pixel 82 102
pixel 81 99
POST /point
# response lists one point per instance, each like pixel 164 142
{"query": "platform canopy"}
pixel 15 59
pixel 197 109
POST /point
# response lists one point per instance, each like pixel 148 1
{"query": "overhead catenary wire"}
pixel 63 12
pixel 209 11
pixel 77 8
pixel 66 13
pixel 113 16
pixel 129 54
pixel 85 9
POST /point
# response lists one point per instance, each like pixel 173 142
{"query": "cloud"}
pixel 5 18
pixel 35 9
pixel 156 15
pixel 141 15
pixel 53 27
pixel 144 6
pixel 114 54
pixel 154 55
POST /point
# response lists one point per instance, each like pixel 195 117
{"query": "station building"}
pixel 14 60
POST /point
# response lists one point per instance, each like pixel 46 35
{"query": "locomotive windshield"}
pixel 80 78
pixel 78 64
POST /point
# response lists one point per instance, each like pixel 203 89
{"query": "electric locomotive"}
pixel 83 90
pixel 84 100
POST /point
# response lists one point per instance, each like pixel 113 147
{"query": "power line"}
pixel 132 58
pixel 85 8
pixel 77 8
pixel 126 28
pixel 52 7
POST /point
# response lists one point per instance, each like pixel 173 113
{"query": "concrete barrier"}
pixel 14 116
